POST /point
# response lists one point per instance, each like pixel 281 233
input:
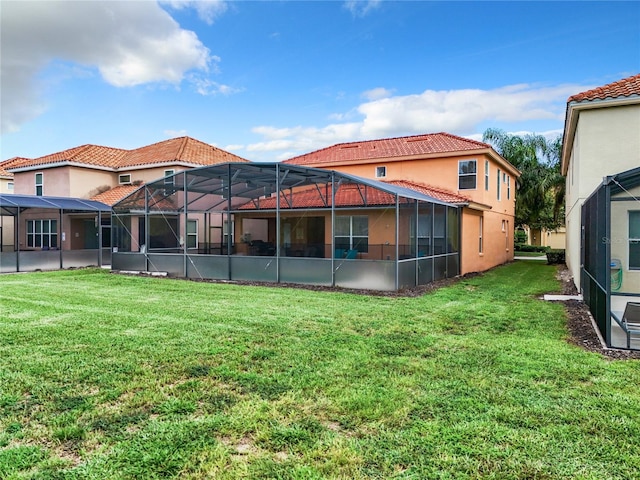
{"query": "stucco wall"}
pixel 606 142
pixel 619 240
pixel 443 173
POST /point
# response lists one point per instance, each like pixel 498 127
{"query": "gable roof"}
pixel 620 93
pixel 417 145
pixel 183 150
pixel 626 87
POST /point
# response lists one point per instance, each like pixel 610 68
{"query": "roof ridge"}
pixel 183 145
pixel 625 87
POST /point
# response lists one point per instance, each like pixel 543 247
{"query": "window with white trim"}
pixel 42 234
pixel 352 232
pixel 508 187
pixel 634 240
pixel 381 172
pixel 169 179
pixel 10 186
pixel 498 194
pixel 467 170
pixel 192 234
pixel 124 179
pixel 480 245
pixel 486 175
pixel 39 183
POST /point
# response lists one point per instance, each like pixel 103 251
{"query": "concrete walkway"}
pixel 543 257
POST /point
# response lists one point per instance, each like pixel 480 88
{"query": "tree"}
pixel 541 186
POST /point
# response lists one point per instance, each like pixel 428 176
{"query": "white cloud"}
pixel 208 10
pixel 175 133
pixel 460 112
pixel 129 43
pixel 360 8
pixel 377 93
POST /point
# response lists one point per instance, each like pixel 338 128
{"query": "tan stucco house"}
pixel 601 138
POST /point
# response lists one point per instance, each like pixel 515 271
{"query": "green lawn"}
pixel 530 254
pixel 105 376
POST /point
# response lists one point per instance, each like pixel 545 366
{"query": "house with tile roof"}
pixel 601 139
pixel 92 172
pixel 601 163
pixel 444 166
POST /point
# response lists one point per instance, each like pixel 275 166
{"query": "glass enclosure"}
pixel 274 222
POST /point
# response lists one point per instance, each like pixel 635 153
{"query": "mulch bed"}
pixel 581 329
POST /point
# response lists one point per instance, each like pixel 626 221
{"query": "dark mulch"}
pixel 581 329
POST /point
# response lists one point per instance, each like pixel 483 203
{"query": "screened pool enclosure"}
pixel 610 256
pixel 50 233
pixel 272 222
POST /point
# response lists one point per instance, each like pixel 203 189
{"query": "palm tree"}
pixel 541 186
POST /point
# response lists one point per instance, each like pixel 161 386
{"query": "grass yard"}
pixel 116 377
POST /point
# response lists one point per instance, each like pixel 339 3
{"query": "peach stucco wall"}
pixel 443 173
pixel 71 181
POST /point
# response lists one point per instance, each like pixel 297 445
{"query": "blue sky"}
pixel 274 79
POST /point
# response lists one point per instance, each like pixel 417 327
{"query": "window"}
pixel 480 246
pixel 634 240
pixel 498 184
pixel 39 184
pixel 466 174
pixel 169 178
pixel 10 186
pixel 42 234
pixel 192 234
pixel 124 179
pixel 225 232
pixel 508 187
pixel 486 175
pixel 352 233
pixel 381 172
pixel 504 225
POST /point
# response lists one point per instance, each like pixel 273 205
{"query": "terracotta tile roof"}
pixel 427 144
pixel 115 194
pixel 350 196
pixel 626 87
pixel 6 164
pixel 182 149
pixel 435 192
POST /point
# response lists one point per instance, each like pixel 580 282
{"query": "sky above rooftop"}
pixel 271 80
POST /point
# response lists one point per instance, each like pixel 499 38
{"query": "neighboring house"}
pixel 601 162
pixel 555 239
pixel 601 138
pixel 468 171
pixel 91 172
pixel 6 181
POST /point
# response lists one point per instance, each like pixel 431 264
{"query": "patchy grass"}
pixel 107 376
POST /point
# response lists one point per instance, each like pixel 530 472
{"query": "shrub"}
pixel 523 247
pixel 555 256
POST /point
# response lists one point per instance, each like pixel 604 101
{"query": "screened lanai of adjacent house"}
pixel 49 233
pixel 272 222
pixel 610 271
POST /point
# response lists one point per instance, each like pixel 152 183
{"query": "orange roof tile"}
pixel 115 194
pixel 388 148
pixel 435 192
pixel 182 149
pixel 350 196
pixel 626 87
